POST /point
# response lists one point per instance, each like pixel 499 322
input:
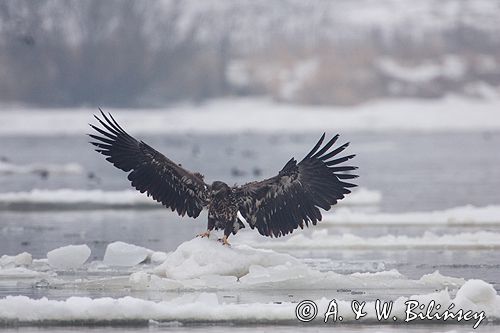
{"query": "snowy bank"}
pixel 474 295
pixel 448 114
pixel 465 215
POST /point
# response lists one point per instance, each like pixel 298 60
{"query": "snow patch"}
pixel 199 257
pixel 68 257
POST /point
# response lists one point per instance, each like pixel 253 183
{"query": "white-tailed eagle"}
pixel 275 206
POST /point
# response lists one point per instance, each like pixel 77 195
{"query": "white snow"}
pixel 39 168
pixel 199 257
pixel 123 254
pixel 68 257
pixel 331 239
pixel 464 215
pixel 448 114
pixel 475 295
pixel 451 67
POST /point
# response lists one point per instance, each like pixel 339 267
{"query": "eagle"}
pixel 275 206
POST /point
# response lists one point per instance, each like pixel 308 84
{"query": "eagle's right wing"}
pixel 152 172
pixel 279 205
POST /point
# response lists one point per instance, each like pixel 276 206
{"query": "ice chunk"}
pixel 200 256
pixel 158 257
pixel 22 259
pixel 68 257
pixel 123 254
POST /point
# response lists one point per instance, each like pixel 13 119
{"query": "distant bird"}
pixel 275 206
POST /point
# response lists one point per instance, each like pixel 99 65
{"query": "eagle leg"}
pixel 210 227
pixel 224 241
pixel 227 231
pixel 204 234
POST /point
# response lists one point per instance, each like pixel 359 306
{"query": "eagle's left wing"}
pixel 151 171
pixel 278 205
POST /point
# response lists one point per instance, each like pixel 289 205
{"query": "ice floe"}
pixel 329 239
pixel 474 295
pixel 123 254
pixel 463 215
pixel 81 199
pixel 202 264
pixel 362 196
pixel 75 199
pixel 42 169
pixel 68 257
pixel 22 259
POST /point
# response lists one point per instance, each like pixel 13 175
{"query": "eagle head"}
pixel 219 187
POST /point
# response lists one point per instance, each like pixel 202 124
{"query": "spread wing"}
pixel 279 205
pixel 151 172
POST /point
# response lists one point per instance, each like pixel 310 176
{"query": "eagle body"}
pixel 274 207
pixel 223 209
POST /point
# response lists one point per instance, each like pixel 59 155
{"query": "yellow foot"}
pixel 204 234
pixel 224 241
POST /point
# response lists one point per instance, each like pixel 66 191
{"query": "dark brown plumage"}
pixel 275 206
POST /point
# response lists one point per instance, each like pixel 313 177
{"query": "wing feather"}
pixel 279 205
pixel 149 171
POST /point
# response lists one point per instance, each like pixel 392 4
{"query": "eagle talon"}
pixel 204 234
pixel 224 241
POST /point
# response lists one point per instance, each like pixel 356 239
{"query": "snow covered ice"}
pixel 246 268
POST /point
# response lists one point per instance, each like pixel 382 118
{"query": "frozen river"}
pixel 387 242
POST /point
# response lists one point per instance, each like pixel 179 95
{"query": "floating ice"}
pixel 362 196
pixel 22 259
pixel 158 257
pixel 40 168
pixel 204 264
pixel 68 257
pixel 458 215
pixel 474 295
pixel 123 254
pixel 200 256
pixel 325 239
pixel 69 198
